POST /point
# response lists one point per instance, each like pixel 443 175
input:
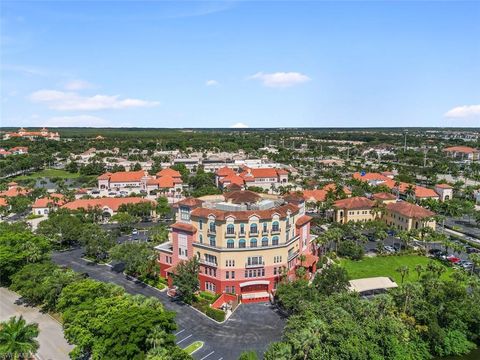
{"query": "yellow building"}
pixel 354 209
pixel 403 215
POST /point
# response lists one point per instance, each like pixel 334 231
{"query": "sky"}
pixel 180 64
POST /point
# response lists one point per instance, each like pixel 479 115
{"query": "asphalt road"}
pixel 53 345
pixel 251 327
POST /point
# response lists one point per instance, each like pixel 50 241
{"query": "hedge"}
pixel 215 314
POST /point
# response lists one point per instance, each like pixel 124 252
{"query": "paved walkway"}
pixel 53 345
pixel 251 327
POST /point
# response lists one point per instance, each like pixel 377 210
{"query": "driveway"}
pixel 53 345
pixel 251 327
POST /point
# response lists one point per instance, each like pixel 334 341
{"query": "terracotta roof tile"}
pixel 242 197
pixel 184 227
pixel 314 195
pixel 112 203
pixel 384 196
pixel 357 202
pixel 246 214
pixel 409 210
pixel 302 220
pixel 169 172
pixel 461 149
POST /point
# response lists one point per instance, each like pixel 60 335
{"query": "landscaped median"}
pixel 388 265
pixel 190 349
pixel 203 302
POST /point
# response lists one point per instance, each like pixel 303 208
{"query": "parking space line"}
pixel 207 355
pixel 221 358
pixel 179 332
pixel 189 336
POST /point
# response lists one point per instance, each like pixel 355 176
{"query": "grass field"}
pixel 386 266
pixel 193 347
pixel 49 173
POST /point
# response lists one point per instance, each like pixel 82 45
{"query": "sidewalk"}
pixel 53 345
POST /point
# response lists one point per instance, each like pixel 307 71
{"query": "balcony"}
pixel 208 263
pixel 230 235
pixel 265 232
pixel 275 232
pixel 250 266
pixel 292 255
pixel 211 232
pixel 253 233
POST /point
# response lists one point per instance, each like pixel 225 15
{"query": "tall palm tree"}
pixel 17 339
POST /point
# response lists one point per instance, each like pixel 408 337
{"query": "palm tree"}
pixel 397 188
pixel 17 339
pixel 419 269
pixel 410 191
pixel 403 270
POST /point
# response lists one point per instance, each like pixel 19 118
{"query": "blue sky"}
pixel 244 63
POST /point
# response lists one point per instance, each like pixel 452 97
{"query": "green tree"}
pixel 138 258
pixel 331 279
pixel 248 355
pixel 62 229
pixel 125 221
pixel 18 339
pixel 185 277
pixel 97 242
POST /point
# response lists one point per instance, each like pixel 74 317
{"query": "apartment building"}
pixel 32 135
pixel 121 180
pixel 403 215
pixel 265 178
pixel 463 153
pixel 357 208
pixel 245 242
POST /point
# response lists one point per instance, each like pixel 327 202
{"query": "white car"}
pixel 134 232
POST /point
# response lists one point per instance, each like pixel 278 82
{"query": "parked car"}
pixel 389 249
pixel 134 232
pixel 472 250
pixel 111 193
pixel 453 259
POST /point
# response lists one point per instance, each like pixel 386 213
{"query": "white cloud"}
pixel 78 85
pixel 65 101
pixel 212 83
pixel 239 125
pixel 76 121
pixel 280 79
pixel 463 111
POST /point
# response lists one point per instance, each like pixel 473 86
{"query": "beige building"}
pixel 403 215
pixel 355 209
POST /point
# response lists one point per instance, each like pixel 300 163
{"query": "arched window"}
pixel 275 226
pixel 242 243
pixel 253 229
pixel 230 244
pixel 265 241
pixel 275 240
pixel 230 229
pixel 253 242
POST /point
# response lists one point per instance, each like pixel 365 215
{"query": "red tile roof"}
pixel 302 220
pixel 314 195
pixel 190 202
pixel 357 202
pixel 53 199
pixel 225 171
pixel 384 196
pixel 444 186
pixel 409 210
pixel 242 196
pixel 184 227
pixel 370 177
pixel 169 172
pixel 3 202
pixel 245 215
pixel 112 203
pixel 461 149
pixel 165 182
pixel 15 191
pixel 232 179
pixel 332 186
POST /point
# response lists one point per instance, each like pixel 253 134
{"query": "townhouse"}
pixel 245 242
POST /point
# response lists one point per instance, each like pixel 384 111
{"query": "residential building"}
pixel 463 153
pixel 168 183
pixel 122 180
pixel 43 206
pixel 445 191
pixel 354 209
pixel 384 198
pixel 403 215
pixel 244 242
pixel 265 178
pixel 108 206
pixel 32 135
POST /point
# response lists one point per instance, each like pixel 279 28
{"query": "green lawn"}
pixel 386 265
pixel 49 173
pixel 193 347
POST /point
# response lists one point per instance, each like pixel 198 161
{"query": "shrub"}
pixel 351 250
pixel 215 314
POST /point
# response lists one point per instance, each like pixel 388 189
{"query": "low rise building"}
pixel 122 180
pixel 444 191
pixel 463 153
pixel 406 216
pixel 354 209
pixel 108 206
pixel 43 206
pixel 32 135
